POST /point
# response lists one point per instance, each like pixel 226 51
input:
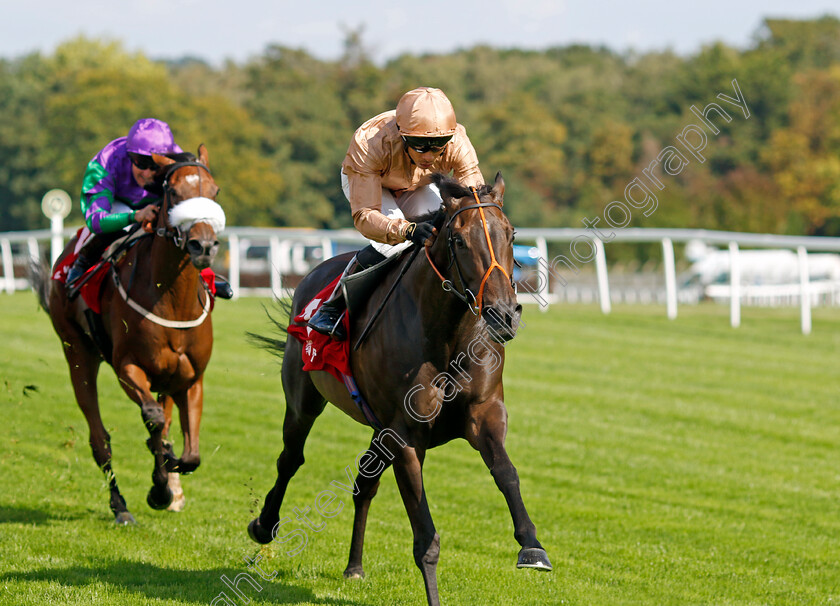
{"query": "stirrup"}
pixel 72 287
pixel 338 333
pixel 71 292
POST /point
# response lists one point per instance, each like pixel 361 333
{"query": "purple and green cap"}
pixel 149 136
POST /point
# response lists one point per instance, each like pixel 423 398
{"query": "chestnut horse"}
pixel 430 370
pixel 159 334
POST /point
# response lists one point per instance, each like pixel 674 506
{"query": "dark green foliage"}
pixel 569 127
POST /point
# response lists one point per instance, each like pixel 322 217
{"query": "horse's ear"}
pixel 498 190
pixel 162 160
pixel 202 155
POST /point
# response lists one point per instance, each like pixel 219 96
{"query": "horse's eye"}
pixel 459 241
pixel 512 236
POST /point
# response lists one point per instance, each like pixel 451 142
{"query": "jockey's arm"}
pixel 98 200
pixel 372 224
pixel 366 204
pixel 98 189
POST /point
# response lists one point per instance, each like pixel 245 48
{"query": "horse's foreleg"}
pixel 190 406
pixel 489 440
pixel 190 409
pixel 167 404
pixel 367 486
pixel 84 368
pixel 136 385
pixel 408 469
pixel 174 479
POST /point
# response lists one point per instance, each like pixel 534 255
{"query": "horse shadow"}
pixel 10 514
pixel 187 586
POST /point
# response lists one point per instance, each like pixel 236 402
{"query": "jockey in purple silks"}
pixel 117 191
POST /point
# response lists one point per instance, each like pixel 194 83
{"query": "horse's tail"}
pixel 39 278
pixel 275 345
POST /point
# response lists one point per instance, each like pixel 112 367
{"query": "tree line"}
pixel 569 127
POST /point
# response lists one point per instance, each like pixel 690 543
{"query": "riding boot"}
pixel 78 269
pixel 223 288
pixel 327 320
pixel 87 257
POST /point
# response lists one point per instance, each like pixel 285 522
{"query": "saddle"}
pixel 358 287
pixel 319 351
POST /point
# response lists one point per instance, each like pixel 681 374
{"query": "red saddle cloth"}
pixel 91 290
pixel 321 352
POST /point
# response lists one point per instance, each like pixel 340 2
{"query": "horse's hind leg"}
pixel 303 405
pixel 489 440
pixel 84 362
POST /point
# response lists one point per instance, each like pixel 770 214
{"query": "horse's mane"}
pixel 449 188
pixel 181 156
pixel 432 216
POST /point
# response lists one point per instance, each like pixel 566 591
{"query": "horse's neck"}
pixel 170 269
pixel 441 311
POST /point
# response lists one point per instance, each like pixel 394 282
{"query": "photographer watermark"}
pixel 369 463
pixel 640 193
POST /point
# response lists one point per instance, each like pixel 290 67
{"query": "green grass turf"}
pixel 663 462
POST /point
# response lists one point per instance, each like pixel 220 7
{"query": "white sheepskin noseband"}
pixel 187 213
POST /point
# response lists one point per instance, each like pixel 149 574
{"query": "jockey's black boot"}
pixel 88 256
pixel 78 269
pixel 327 320
pixel 223 289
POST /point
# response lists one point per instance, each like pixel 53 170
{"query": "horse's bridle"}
pixel 179 240
pixel 175 233
pixel 474 303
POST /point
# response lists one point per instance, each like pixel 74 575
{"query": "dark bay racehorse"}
pixel 431 371
pixel 158 334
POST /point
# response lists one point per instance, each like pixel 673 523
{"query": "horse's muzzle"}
pixel 502 321
pixel 202 251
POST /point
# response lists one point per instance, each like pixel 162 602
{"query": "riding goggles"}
pixel 426 144
pixel 142 162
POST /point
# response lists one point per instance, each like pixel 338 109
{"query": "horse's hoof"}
pixel 154 497
pixel 179 501
pixel 533 557
pixel 259 534
pixel 355 572
pixel 124 518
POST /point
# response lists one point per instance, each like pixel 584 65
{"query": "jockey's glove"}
pixel 420 232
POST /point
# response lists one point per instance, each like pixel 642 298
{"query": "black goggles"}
pixel 426 144
pixel 142 162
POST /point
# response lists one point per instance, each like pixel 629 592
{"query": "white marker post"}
pixel 56 205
